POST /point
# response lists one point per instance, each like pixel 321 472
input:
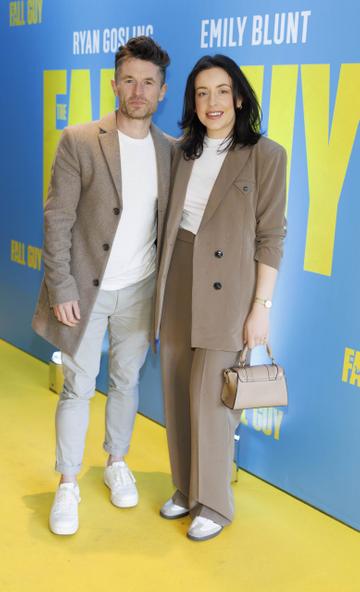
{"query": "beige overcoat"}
pixel 82 213
pixel 243 223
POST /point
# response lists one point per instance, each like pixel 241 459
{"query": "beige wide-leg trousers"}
pixel 200 429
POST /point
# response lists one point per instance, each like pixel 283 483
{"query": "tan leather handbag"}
pixel 248 387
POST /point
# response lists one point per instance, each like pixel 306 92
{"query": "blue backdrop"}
pixel 56 62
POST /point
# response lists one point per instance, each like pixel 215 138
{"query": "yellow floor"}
pixel 276 543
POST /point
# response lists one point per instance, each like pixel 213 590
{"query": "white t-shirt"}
pixel 203 176
pixel 133 252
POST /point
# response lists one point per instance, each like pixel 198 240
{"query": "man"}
pixel 103 219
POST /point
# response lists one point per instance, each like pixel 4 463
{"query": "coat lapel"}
pixel 162 152
pixel 232 166
pixel 109 142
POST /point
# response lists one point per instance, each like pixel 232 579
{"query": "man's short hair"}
pixel 143 48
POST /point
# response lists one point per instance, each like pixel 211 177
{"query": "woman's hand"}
pixel 256 328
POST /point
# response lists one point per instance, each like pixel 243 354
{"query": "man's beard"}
pixel 132 114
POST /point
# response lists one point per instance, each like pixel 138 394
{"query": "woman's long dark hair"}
pixel 246 129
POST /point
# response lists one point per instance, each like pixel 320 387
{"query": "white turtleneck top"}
pixel 203 176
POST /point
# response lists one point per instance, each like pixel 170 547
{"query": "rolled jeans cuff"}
pixel 66 470
pixel 115 451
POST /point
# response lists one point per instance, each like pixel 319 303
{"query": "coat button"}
pixel 217 285
pixel 106 246
pixel 96 282
pixel 116 211
pixel 245 188
pixel 219 253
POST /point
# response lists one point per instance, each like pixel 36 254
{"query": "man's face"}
pixel 139 87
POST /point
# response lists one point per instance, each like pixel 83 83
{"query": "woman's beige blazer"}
pixel 243 223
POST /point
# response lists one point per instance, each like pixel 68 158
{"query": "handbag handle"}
pixel 245 351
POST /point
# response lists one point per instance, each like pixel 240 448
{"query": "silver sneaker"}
pixel 121 482
pixel 203 529
pixel 171 511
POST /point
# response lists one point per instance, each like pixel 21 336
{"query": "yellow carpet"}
pixel 276 544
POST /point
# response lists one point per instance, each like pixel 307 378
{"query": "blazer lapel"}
pixel 234 162
pixel 109 142
pixel 178 194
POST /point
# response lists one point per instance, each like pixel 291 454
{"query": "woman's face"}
pixel 214 103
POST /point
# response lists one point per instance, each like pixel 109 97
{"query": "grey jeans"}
pixel 127 314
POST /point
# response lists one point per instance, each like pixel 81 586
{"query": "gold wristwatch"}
pixel 265 302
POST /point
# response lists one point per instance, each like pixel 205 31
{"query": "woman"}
pixel 222 248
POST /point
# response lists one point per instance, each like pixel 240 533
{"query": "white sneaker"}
pixel 121 482
pixel 202 529
pixel 64 512
pixel 171 511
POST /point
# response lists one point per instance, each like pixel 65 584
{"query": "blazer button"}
pixel 217 285
pixel 96 282
pixel 106 246
pixel 116 211
pixel 219 253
